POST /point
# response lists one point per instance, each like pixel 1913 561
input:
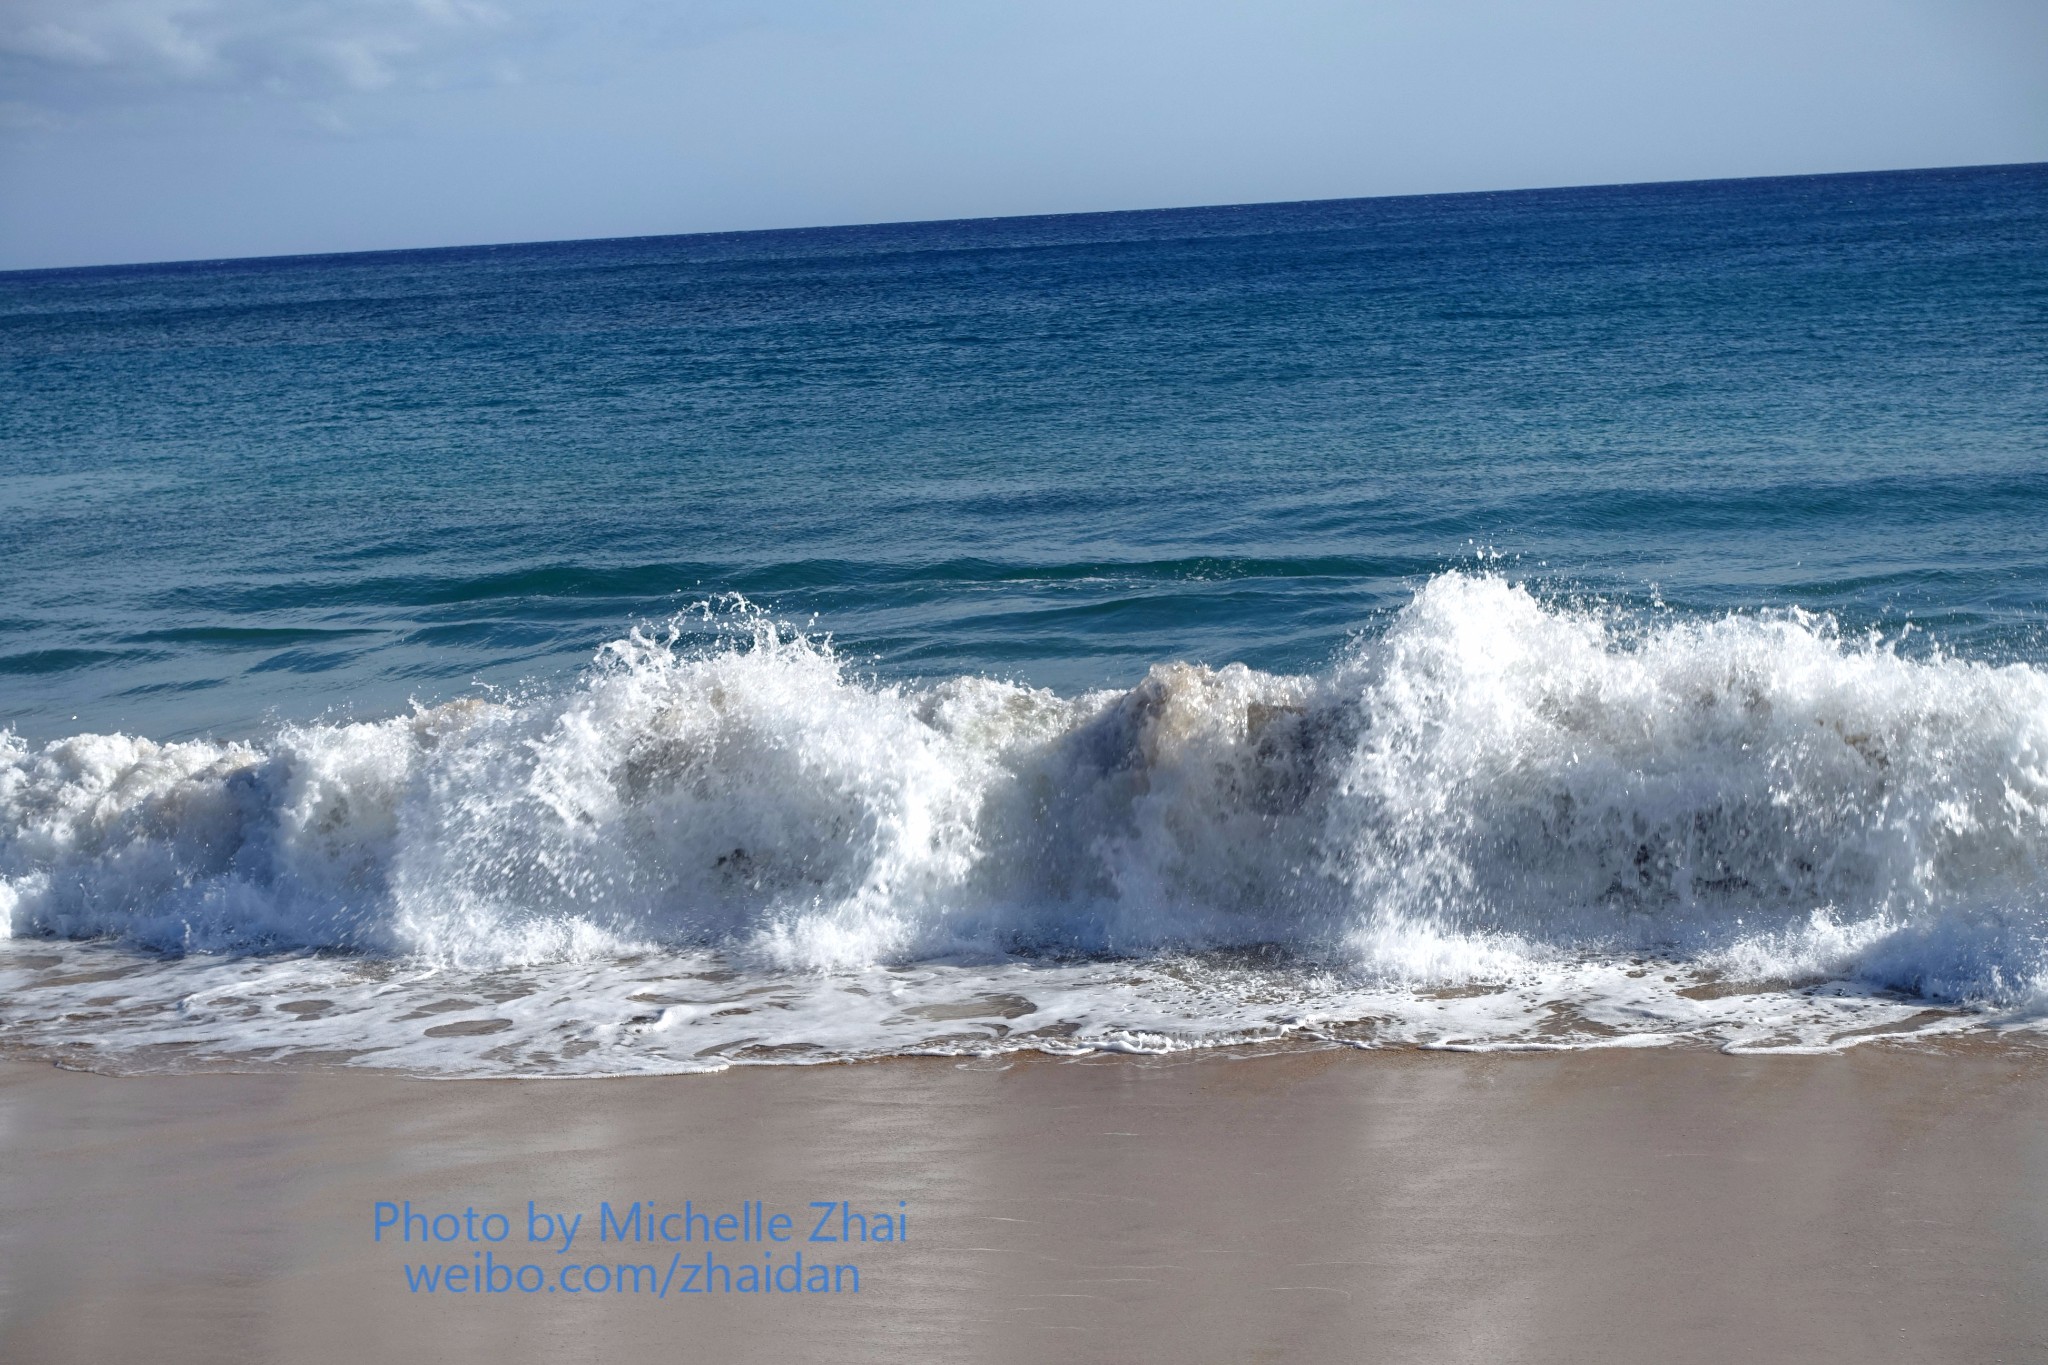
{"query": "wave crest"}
pixel 1490 784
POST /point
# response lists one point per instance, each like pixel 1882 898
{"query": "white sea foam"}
pixel 1497 822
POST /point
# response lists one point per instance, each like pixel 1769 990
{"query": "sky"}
pixel 143 130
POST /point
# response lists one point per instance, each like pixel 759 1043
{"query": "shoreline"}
pixel 140 1063
pixel 1679 1205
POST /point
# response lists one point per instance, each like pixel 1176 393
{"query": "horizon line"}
pixel 288 256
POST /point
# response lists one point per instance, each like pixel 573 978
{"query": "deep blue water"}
pixel 1500 497
pixel 1056 450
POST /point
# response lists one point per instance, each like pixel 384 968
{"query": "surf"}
pixel 1489 782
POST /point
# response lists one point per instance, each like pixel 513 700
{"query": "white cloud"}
pixel 86 48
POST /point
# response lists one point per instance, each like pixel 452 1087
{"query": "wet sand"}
pixel 1673 1207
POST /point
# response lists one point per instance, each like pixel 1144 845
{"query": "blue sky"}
pixel 172 129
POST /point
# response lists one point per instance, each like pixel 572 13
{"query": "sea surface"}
pixel 1567 618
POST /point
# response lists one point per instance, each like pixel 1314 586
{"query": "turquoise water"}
pixel 1055 449
pixel 1564 616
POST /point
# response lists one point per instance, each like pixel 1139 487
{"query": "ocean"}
pixel 1554 619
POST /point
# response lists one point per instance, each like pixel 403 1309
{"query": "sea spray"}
pixel 1493 792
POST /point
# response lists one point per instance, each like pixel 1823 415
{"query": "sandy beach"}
pixel 1672 1206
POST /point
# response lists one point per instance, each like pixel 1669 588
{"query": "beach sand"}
pixel 1885 1205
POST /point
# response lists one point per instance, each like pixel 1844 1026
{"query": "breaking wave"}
pixel 1491 788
